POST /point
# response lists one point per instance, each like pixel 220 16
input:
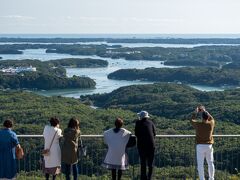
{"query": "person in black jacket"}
pixel 145 132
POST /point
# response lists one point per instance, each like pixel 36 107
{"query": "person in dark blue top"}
pixel 145 132
pixel 8 142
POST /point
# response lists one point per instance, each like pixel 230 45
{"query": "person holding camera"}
pixel 204 141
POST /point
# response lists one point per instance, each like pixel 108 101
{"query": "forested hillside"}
pixel 31 112
pixel 172 101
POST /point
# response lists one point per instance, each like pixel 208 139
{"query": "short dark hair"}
pixel 8 123
pixel 118 123
pixel 205 115
pixel 54 121
pixel 73 123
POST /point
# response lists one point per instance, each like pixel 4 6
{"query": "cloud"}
pixel 83 18
pixel 17 17
pixel 156 20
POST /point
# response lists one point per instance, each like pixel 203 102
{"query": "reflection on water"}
pixel 105 87
pixel 208 88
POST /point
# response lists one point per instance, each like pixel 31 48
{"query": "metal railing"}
pixel 174 158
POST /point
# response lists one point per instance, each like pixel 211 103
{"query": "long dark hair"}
pixel 73 123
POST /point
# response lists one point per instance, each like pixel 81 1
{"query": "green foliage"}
pixel 46 77
pixel 172 101
pixel 201 76
pixel 79 63
pixel 31 112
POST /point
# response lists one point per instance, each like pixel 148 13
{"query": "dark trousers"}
pixel 146 158
pixel 114 174
pixel 47 176
pixel 68 168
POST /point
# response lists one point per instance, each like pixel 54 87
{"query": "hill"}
pixel 172 101
pixel 31 112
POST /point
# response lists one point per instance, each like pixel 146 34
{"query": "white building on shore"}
pixel 18 69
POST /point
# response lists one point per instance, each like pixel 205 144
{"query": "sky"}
pixel 119 16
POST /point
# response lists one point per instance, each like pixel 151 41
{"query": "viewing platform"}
pixel 174 158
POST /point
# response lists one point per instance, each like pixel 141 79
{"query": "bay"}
pixel 103 84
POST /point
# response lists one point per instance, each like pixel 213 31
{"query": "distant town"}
pixel 14 70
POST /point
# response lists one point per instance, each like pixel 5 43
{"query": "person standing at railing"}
pixel 8 143
pixel 145 132
pixel 70 148
pixel 204 141
pixel 52 162
pixel 116 158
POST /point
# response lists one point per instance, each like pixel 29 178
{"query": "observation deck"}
pixel 174 158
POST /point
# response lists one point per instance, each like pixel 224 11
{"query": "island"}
pixel 35 74
pixel 79 63
pixel 187 75
pixel 207 56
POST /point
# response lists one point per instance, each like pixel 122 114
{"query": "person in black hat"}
pixel 145 132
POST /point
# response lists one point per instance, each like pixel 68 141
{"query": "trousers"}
pixel 205 151
pixel 146 159
pixel 74 168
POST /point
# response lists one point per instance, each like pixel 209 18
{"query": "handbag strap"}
pixel 53 139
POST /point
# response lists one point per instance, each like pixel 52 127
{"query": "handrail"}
pixel 158 136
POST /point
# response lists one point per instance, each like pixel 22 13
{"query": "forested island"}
pixel 186 75
pixel 78 63
pixel 15 74
pixel 7 50
pixel 210 56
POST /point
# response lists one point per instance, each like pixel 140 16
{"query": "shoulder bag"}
pixel 82 150
pixel 46 152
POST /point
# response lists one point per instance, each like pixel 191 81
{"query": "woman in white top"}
pixel 52 162
pixel 116 158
